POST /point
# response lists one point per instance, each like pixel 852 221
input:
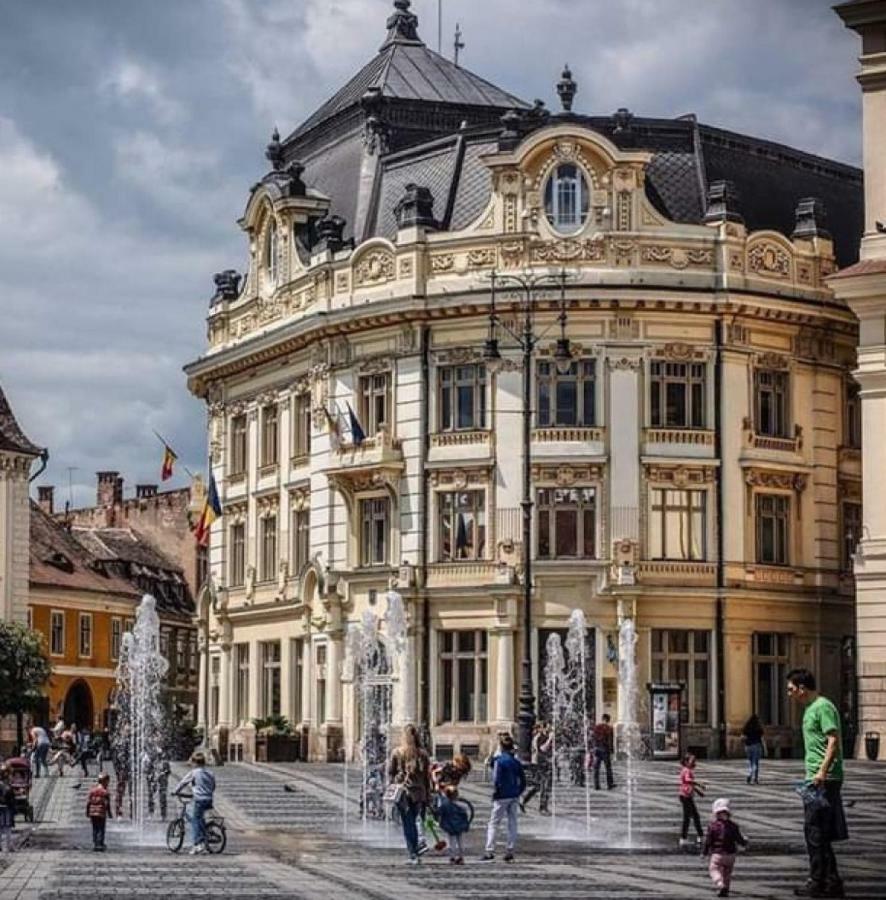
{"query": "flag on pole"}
pixel 358 435
pixel 461 536
pixel 211 511
pixel 334 429
pixel 169 459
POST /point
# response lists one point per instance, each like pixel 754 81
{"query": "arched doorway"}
pixel 78 705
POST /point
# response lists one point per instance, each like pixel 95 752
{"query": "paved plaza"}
pixel 294 832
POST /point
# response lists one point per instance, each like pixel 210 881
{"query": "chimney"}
pixel 118 490
pixel 106 489
pixel 145 491
pixel 45 498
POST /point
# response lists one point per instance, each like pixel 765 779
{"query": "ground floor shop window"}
pixel 270 686
pixel 463 676
pixel 771 666
pixel 685 657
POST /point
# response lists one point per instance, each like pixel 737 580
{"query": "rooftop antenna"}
pixel 459 44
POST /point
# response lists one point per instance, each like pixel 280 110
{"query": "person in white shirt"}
pixel 202 784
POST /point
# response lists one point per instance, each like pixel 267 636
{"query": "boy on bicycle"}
pixel 202 784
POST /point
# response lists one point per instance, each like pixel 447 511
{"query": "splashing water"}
pixel 627 711
pixel 140 732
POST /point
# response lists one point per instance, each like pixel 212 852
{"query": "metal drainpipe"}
pixel 718 452
pixel 422 580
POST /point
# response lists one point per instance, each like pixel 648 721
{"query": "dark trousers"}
pixel 823 823
pixel 603 757
pixel 408 814
pixel 690 811
pixel 98 831
pixel 160 789
pixel 40 754
pixel 542 776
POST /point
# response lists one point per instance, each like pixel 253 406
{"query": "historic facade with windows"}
pixel 694 466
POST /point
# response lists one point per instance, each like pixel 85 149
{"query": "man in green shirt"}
pixel 823 818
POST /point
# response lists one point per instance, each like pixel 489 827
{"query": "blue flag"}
pixel 358 435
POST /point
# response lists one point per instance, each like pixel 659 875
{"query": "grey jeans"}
pixel 500 809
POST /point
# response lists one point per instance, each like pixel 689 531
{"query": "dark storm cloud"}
pixel 130 133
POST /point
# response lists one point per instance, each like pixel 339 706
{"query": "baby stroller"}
pixel 20 782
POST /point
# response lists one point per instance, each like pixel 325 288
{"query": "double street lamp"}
pixel 528 286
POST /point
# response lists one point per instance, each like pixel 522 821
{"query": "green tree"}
pixel 24 670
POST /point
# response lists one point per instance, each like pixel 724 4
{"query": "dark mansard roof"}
pixel 412 117
pixel 11 436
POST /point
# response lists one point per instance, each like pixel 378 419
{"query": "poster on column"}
pixel 665 726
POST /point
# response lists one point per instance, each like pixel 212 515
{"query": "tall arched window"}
pixel 567 198
pixel 271 254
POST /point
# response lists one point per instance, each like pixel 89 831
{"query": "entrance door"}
pixel 78 706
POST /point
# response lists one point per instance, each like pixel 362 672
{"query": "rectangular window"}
pixel 375 402
pixel 241 655
pixel 237 543
pixel 770 665
pixel 116 637
pixel 320 658
pixel 301 426
pixel 267 570
pixel 852 525
pixel 57 633
pixel 463 690
pixel 270 685
pixel 462 398
pixel 297 668
pixel 462 517
pixel 269 427
pixel 677 394
pixel 566 399
pixel 852 437
pixel 85 634
pixel 684 656
pixel 566 520
pixel 181 653
pixel 31 618
pixel 214 689
pixel 238 445
pixel 773 517
pixel 374 519
pixel 193 654
pixel 771 403
pixel 164 642
pixel 678 525
pixel 301 539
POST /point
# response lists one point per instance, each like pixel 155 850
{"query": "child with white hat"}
pixel 722 841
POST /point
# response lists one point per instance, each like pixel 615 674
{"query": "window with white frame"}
pixel 301 538
pixel 57 632
pixel 463 677
pixel 770 655
pixel 566 520
pixel 237 543
pixel 773 529
pixel 116 636
pixel 852 527
pixel 375 402
pixel 214 689
pixel 301 426
pixel 85 643
pixel 238 444
pixel 462 518
pixel 374 526
pixel 272 254
pixel 270 684
pixel 678 524
pixel 685 657
pixel 320 668
pixel 462 397
pixel 267 569
pixel 677 394
pixel 771 402
pixel 270 434
pixel 567 199
pixel 566 398
pixel 241 700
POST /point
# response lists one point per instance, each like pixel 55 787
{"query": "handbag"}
pixel 394 793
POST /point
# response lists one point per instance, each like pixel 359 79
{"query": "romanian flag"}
pixel 211 511
pixel 334 429
pixel 169 459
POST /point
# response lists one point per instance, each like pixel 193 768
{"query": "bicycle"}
pixel 216 833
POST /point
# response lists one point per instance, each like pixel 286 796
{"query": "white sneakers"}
pixel 197 849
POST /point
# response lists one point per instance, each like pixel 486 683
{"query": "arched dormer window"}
pixel 567 198
pixel 271 260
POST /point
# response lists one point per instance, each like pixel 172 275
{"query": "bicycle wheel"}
pixel 175 835
pixel 216 837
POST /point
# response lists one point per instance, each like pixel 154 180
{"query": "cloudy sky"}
pixel 130 133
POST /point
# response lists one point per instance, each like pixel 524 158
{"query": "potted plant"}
pixel 274 740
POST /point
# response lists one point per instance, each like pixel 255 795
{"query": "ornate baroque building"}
pixel 695 465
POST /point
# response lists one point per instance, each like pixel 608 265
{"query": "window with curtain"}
pixel 566 523
pixel 462 676
pixel 462 524
pixel 301 539
pixel 567 198
pixel 678 524
pixel 375 402
pixel 237 565
pixel 270 434
pixel 374 526
pixel 267 570
pixel 301 426
pixel 238 445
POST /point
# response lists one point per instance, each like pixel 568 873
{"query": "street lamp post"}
pixel 527 340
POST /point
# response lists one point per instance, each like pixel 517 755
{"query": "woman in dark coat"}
pixel 753 747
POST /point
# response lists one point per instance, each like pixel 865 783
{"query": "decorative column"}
pixel 504 676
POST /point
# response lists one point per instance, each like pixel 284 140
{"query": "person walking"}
pixel 64 755
pixel 542 769
pixel 40 749
pixel 722 840
pixel 689 789
pixel 7 811
pixel 508 785
pixel 202 784
pixel 604 739
pixel 753 747
pixel 824 821
pixel 410 768
pixel 98 811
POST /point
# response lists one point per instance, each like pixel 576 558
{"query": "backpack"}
pixel 453 817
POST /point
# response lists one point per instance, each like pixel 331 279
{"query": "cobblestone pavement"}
pixel 294 832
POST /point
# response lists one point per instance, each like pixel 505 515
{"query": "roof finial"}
pixel 402 24
pixel 567 89
pixel 459 43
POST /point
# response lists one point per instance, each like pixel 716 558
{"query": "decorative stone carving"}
pixel 458 355
pixel 482 257
pixel 459 479
pixel 300 499
pixel 623 252
pixel 623 210
pixel 624 328
pixel 566 475
pixel 767 478
pixel 406 267
pixel 373 364
pixel 565 151
pixel 678 257
pixel 567 251
pixel 624 363
pixel 677 351
pixel 512 254
pixel 342 281
pixel 771 360
pixel 407 338
pixel 679 476
pixel 767 259
pixel 374 267
pixel 442 262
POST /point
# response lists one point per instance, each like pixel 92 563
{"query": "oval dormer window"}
pixel 567 199
pixel 271 255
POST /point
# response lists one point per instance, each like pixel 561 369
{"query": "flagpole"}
pixel 168 446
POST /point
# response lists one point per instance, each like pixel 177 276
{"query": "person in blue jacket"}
pixel 508 785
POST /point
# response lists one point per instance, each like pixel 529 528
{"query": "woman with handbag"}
pixel 410 771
